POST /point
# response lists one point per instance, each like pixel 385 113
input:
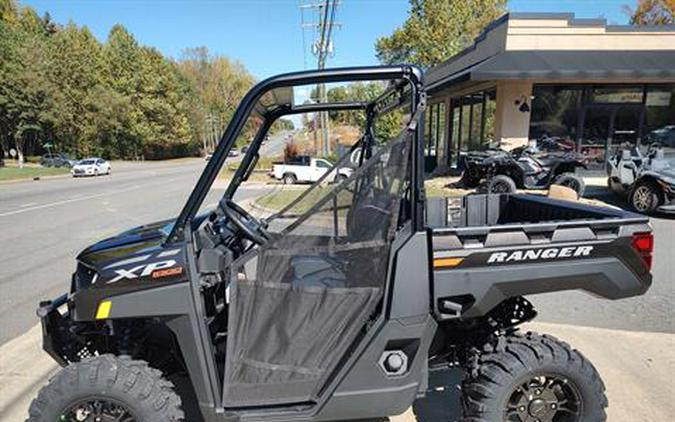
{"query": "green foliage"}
pixel 116 99
pixel 436 30
pixel 652 12
pixel 385 127
pixel 282 124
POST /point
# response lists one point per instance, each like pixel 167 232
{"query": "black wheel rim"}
pixel 544 398
pixel 501 187
pixel 97 410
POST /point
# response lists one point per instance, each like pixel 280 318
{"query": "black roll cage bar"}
pixel 411 77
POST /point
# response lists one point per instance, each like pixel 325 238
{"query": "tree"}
pixel 118 99
pixel 76 68
pixel 652 12
pixel 435 30
pixel 25 89
pixel 386 126
pixel 216 85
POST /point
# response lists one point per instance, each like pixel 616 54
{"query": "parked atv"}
pixel 342 310
pixel 648 182
pixel 523 168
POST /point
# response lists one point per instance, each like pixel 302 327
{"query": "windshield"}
pixel 303 154
pixel 86 162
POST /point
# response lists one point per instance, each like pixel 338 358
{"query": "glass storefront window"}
pixel 472 125
pixel 440 135
pixel 490 110
pixel 660 117
pixel 454 135
pixel 555 112
pixel 465 127
pixel 477 110
pixel 618 94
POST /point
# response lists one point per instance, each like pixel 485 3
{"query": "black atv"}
pixel 522 168
pixel 341 304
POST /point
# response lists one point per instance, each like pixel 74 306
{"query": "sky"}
pixel 265 35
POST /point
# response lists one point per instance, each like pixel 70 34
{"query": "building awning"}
pixel 605 65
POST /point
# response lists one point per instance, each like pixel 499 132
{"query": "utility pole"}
pixel 323 14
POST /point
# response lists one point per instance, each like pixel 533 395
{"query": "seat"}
pixel 315 270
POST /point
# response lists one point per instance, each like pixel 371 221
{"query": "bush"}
pixel 162 151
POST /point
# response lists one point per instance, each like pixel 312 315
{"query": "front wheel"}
pixel 107 388
pixel 645 198
pixel 528 378
pixel 501 184
pixel 289 179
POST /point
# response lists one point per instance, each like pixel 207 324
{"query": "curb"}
pixel 34 179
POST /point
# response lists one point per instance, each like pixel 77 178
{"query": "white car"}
pixel 91 167
pixel 306 169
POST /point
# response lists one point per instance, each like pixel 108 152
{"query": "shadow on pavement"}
pixel 441 402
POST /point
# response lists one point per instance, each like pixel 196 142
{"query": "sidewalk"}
pixel 638 370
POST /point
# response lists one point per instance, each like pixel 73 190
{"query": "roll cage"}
pixel 406 90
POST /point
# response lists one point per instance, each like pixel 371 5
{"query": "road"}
pixel 653 312
pixel 44 224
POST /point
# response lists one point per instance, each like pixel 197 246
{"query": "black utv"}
pixel 522 168
pixel 341 304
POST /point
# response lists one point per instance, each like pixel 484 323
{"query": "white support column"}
pixel 513 124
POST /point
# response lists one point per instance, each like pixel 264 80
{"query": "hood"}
pixel 141 239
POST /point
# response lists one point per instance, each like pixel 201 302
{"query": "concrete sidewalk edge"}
pixel 638 369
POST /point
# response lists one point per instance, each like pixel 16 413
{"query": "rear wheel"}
pixel 530 378
pixel 572 181
pixel 501 184
pixel 107 388
pixel 289 179
pixel 645 197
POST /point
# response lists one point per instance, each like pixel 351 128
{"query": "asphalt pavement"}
pixel 652 312
pixel 44 224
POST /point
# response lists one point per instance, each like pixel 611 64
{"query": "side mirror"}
pixel 251 166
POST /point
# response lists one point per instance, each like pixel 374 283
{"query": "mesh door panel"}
pixel 299 302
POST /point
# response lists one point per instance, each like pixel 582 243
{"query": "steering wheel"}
pixel 252 228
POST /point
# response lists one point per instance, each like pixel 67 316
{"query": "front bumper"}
pixel 82 172
pixel 58 337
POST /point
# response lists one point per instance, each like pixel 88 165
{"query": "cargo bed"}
pixel 487 248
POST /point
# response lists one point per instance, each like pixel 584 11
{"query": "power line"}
pixel 322 22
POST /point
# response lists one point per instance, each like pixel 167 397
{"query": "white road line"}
pixel 30 204
pixel 67 201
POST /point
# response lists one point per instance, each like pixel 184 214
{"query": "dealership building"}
pixel 552 78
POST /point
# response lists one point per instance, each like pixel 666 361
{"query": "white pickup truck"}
pixel 306 169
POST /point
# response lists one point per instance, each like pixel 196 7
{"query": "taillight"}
pixel 643 243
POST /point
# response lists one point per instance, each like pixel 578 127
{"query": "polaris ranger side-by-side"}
pixel 339 305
